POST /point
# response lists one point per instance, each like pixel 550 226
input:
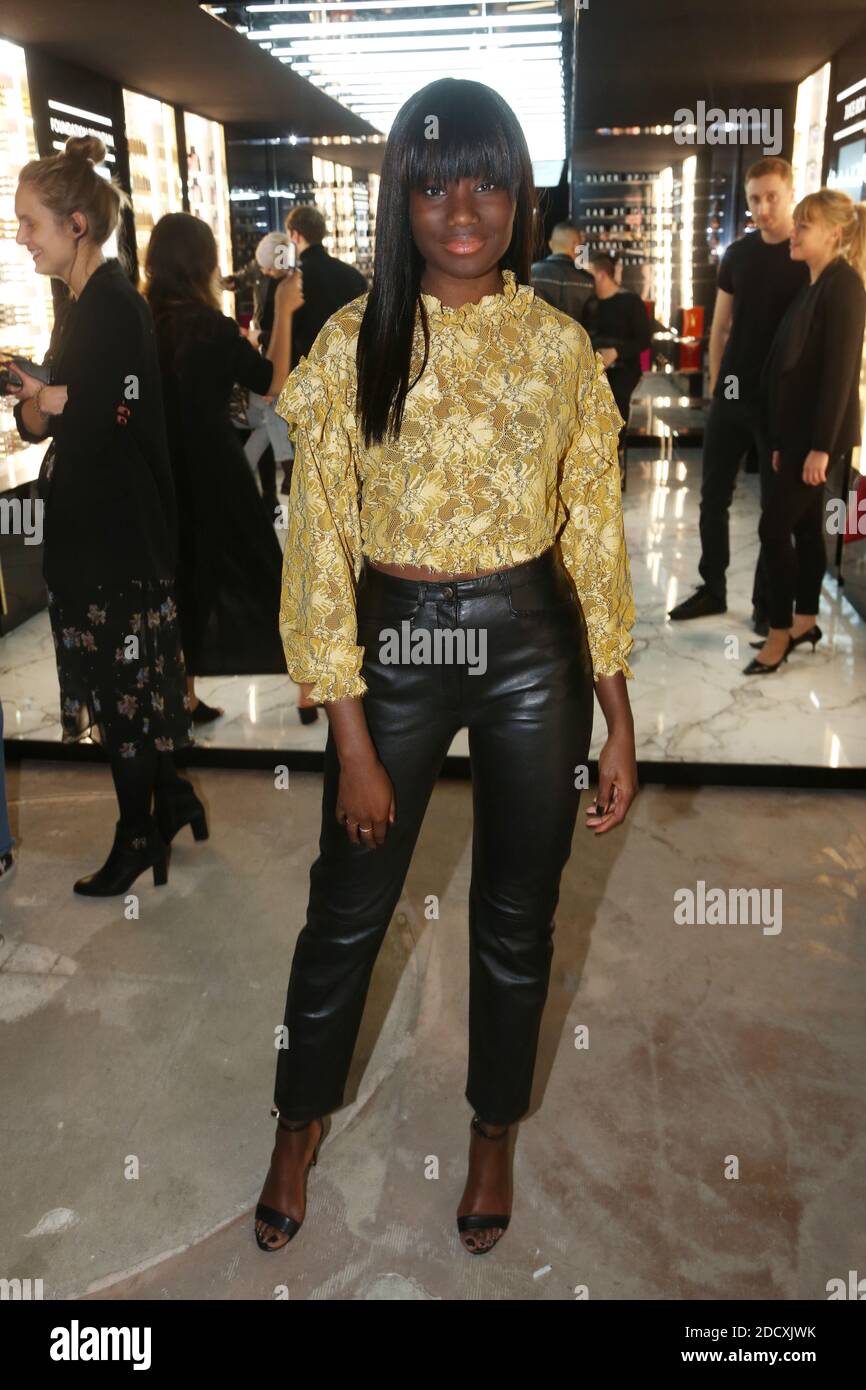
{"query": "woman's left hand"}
pixel 52 400
pixel 815 467
pixel 617 783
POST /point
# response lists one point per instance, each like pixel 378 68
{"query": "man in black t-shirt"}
pixel 619 328
pixel 757 281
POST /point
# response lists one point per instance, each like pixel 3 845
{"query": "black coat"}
pixel 811 377
pixel 559 282
pixel 328 285
pixel 106 481
pixel 230 563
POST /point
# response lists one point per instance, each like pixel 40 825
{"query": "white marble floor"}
pixel 691 701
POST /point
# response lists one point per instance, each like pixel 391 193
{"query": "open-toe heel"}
pixel 481 1221
pixel 283 1223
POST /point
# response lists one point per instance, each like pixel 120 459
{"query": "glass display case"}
pixel 615 213
pixel 154 174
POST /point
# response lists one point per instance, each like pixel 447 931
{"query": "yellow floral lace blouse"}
pixel 509 437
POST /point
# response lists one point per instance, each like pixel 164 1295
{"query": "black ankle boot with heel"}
pixel 135 849
pixel 177 805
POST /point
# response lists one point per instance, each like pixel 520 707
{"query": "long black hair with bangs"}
pixel 479 136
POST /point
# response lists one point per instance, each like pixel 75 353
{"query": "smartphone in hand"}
pixel 33 369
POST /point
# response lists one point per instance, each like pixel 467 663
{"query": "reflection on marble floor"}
pixel 690 699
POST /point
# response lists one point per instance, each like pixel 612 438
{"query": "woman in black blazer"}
pixel 110 521
pixel 811 394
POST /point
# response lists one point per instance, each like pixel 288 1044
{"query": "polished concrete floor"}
pixel 708 1143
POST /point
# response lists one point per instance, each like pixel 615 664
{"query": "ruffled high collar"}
pixel 513 300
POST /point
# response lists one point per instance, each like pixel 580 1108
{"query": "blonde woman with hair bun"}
pixel 811 384
pixel 110 517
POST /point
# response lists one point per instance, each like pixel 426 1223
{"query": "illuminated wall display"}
pixel 663 258
pixel 810 125
pixel 847 172
pixel 26 311
pixel 848 153
pixel 687 232
pixel 208 188
pixel 344 206
pixel 154 174
pixel 850 110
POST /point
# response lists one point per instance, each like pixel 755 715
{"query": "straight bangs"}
pixel 449 130
pixel 471 144
pixel 809 209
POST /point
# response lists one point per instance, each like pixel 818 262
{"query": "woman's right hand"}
pixel 774 460
pixel 289 294
pixel 365 797
pixel 29 384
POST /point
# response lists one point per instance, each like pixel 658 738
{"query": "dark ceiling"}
pixel 173 50
pixel 639 61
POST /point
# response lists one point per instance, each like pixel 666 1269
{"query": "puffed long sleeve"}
pixel 322 558
pixel 593 538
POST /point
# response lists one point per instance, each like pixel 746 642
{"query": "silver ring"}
pixel 365 829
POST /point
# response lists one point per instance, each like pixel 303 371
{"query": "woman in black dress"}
pixel 110 526
pixel 228 584
pixel 811 386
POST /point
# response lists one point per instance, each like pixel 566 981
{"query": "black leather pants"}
pixel 529 720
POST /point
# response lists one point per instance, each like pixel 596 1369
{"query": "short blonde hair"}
pixel 836 209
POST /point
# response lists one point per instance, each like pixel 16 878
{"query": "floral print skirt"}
pixel 120 667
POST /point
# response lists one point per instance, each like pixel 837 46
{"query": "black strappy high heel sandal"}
pixel 280 1220
pixel 479 1221
pixel 814 636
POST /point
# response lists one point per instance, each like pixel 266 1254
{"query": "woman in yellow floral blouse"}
pixel 455 558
